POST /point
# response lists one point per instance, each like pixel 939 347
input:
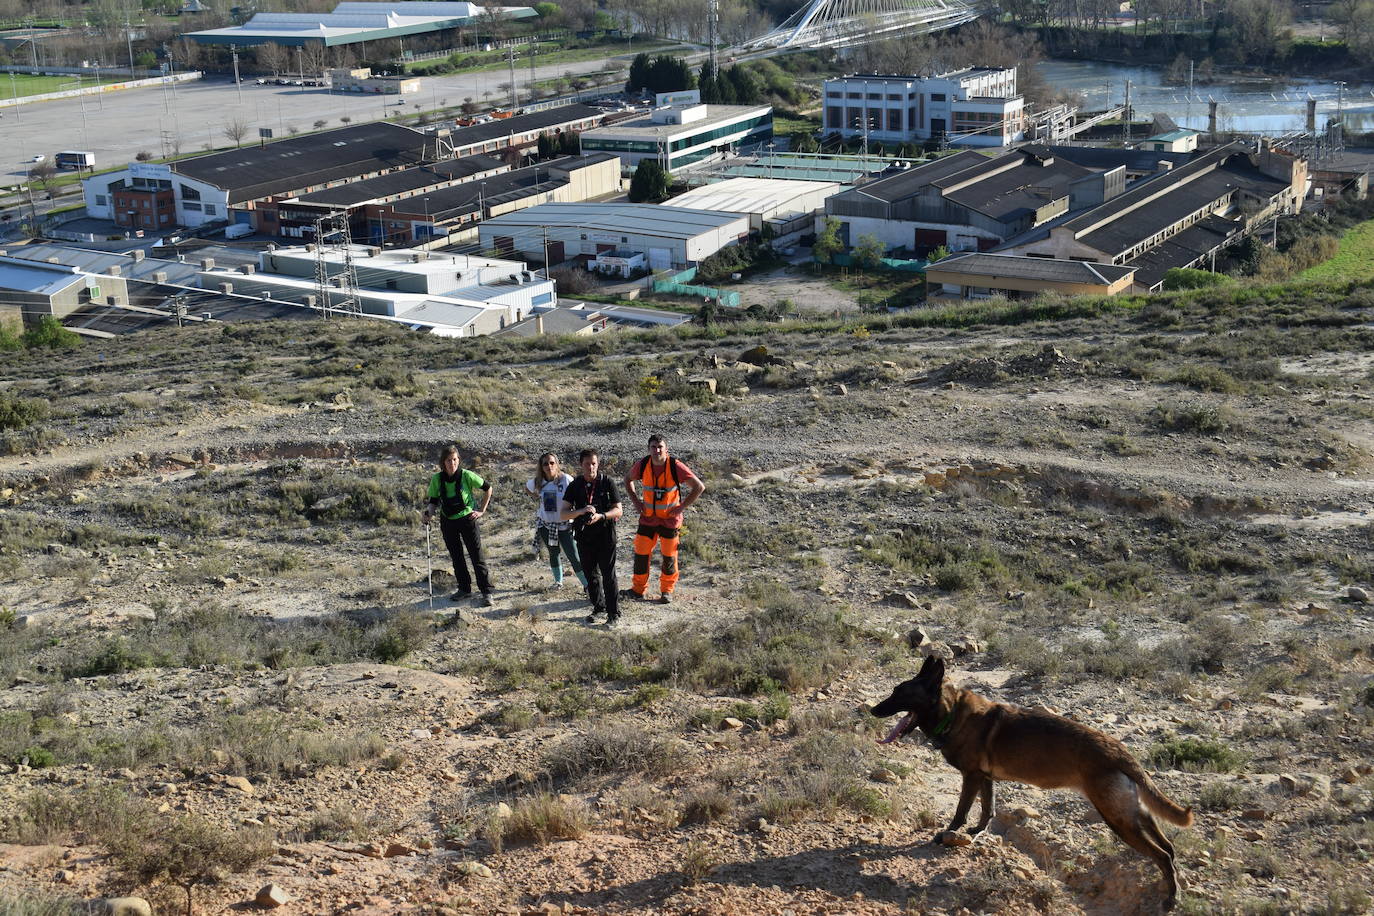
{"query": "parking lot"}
pixel 194 116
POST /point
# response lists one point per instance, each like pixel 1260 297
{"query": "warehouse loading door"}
pixel 660 258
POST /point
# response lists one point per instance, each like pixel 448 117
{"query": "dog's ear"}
pixel 933 670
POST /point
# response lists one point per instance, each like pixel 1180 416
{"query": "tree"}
pixel 870 250
pixel 548 12
pixel 828 242
pixel 650 182
pixel 145 60
pixel 235 129
pixel 320 123
pixel 43 173
pixel 546 146
pixel 143 155
pixel 271 56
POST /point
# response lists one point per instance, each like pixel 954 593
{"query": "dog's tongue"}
pixel 899 729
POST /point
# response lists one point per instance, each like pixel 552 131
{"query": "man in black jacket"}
pixel 592 504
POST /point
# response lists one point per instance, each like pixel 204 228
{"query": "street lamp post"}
pixel 14 89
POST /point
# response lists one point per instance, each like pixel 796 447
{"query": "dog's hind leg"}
pixel 1115 797
pixel 987 796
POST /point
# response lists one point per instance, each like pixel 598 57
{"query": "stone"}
pixel 1255 814
pixel 703 381
pixel 938 650
pixel 324 505
pixel 123 906
pixel 965 645
pixel 883 774
pixel 917 638
pixel 1351 775
pixel 65 876
pixel 1357 595
pixel 182 458
pixel 399 849
pixel 271 897
pixel 241 784
pixel 503 810
pixel 955 838
pixel 544 909
pixel 730 723
pixel 842 389
pixel 472 870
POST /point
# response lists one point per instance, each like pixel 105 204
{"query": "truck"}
pixel 74 159
pixel 237 230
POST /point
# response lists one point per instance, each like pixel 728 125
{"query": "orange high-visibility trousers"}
pixel 645 538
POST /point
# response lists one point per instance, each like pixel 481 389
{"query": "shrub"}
pixel 187 851
pixel 544 816
pixel 615 748
pixel 18 413
pixel 1195 755
pixel 49 334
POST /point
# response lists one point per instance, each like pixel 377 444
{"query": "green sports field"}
pixel 21 84
pixel 1354 260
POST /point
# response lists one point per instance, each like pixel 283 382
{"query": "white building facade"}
pixel 682 136
pixel 978 106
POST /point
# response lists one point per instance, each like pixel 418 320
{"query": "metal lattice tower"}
pixel 332 237
pixel 839 23
pixel 715 32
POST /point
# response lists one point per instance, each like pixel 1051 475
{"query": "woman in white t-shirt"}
pixel 547 485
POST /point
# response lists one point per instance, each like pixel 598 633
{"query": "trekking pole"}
pixel 429 560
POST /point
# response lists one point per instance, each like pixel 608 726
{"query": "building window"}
pixel 937 96
pixel 189 193
pixel 210 210
pixel 853 95
pixel 100 200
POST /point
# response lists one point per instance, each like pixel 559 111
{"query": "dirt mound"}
pixel 1048 362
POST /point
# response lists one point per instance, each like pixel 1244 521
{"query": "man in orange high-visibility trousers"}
pixel 661 488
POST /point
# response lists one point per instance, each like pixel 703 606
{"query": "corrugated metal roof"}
pixel 751 195
pixel 648 219
pixel 1019 268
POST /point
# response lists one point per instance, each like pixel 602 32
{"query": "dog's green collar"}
pixel 944 725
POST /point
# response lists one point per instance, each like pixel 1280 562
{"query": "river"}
pixel 1250 105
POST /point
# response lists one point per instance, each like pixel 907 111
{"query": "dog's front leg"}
pixel 988 798
pixel 972 784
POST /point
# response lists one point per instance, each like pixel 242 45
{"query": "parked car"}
pixel 38 158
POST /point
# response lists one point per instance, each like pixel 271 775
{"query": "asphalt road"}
pixel 118 125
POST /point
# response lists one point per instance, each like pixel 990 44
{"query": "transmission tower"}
pixel 715 31
pixel 332 237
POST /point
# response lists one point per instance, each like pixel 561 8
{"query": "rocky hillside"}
pixel 222 681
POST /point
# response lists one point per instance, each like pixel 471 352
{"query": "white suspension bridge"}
pixel 845 23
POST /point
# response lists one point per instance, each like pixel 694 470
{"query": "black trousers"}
pixel 458 534
pixel 598 564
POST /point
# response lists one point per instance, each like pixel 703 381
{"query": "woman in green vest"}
pixel 453 498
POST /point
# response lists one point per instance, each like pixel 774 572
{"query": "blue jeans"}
pixel 562 543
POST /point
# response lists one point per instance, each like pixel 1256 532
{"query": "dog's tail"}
pixel 1159 803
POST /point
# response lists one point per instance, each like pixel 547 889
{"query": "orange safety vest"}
pixel 659 489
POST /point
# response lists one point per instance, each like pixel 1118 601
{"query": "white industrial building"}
pixel 977 106
pixel 785 205
pixel 450 295
pixel 682 136
pixel 668 237
pixel 354 22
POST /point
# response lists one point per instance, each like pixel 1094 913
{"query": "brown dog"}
pixel 987 741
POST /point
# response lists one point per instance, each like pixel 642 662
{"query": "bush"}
pixel 1195 755
pixel 543 817
pixel 615 748
pixel 18 413
pixel 50 334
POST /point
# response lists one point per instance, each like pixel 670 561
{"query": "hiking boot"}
pixel 630 594
pixel 665 598
pixel 613 622
pixel 591 618
pixel 460 595
pixel 486 600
